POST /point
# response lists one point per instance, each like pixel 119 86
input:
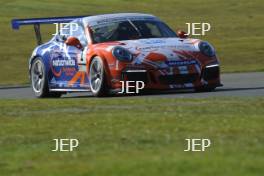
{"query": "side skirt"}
pixel 70 90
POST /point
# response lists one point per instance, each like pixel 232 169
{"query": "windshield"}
pixel 130 30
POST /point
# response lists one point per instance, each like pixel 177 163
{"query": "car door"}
pixel 70 60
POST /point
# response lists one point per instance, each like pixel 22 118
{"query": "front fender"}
pixel 106 61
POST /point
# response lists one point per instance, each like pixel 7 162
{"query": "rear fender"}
pixel 37 53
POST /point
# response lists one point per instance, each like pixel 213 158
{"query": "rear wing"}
pixel 16 23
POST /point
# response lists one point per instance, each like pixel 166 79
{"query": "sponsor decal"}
pixel 157 46
pixel 69 71
pixel 61 65
pixel 181 63
pixel 154 41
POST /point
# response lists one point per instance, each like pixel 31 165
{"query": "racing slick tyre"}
pixel 97 78
pixel 39 80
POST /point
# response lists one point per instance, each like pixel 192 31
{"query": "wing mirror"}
pixel 73 41
pixel 182 34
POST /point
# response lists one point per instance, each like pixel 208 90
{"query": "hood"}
pixel 163 52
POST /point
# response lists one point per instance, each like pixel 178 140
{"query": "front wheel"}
pixel 97 78
pixel 39 80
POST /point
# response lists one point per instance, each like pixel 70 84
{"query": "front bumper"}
pixel 172 78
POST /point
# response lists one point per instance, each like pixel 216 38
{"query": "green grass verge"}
pixel 132 137
pixel 237 27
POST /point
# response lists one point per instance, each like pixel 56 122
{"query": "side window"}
pixel 78 32
pixel 105 33
pixel 148 29
pixel 154 30
pixel 65 31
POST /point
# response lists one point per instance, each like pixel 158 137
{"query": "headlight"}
pixel 207 49
pixel 122 54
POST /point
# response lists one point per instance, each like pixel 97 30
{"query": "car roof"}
pixel 107 18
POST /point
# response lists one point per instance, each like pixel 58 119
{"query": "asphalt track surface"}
pixel 235 85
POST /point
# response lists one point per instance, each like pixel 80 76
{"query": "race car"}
pixel 98 53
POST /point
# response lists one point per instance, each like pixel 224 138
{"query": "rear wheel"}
pixel 39 80
pixel 97 78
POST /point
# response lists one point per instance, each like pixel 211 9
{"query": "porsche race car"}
pixel 104 50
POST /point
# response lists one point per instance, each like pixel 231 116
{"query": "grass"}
pixel 132 137
pixel 237 28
